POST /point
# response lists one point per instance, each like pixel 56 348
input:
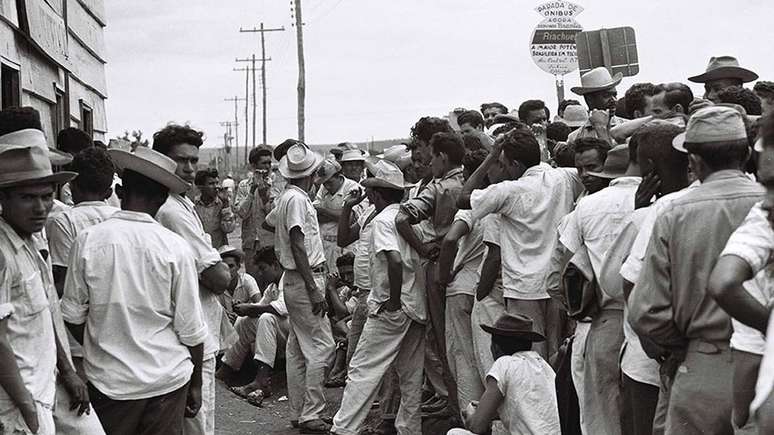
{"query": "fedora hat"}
pixel 33 136
pixel 151 164
pixel 385 174
pixel 299 162
pixel 25 160
pixel 230 251
pixel 327 170
pixel 714 124
pixel 598 79
pixel 724 67
pixel 616 163
pixel 574 116
pixel 516 326
pixel 352 155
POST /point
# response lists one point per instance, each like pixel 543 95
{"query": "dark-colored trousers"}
pixel 160 415
pixel 638 407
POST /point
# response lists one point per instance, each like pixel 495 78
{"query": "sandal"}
pixel 314 427
pixel 256 397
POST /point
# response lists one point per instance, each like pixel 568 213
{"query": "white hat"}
pixel 574 116
pixel 350 155
pixel 26 159
pixel 327 170
pixel 385 174
pixel 712 125
pixel 597 80
pixel 299 162
pixel 151 164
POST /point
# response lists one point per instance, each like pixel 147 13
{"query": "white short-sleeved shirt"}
pixel 491 235
pixel 295 209
pixel 63 228
pixel 362 264
pixel 470 253
pixel 335 201
pixel 765 384
pixel 179 215
pixel 632 267
pixel 530 209
pixel 385 238
pixel 133 283
pixel 526 381
pixel 244 291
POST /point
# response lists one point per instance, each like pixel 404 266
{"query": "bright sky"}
pixel 374 66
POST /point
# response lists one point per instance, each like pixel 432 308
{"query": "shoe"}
pixel 314 427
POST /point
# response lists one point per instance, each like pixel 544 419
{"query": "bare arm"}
pixel 216 278
pixel 319 306
pixel 327 214
pixel 76 388
pixel 489 271
pixel 621 132
pixel 11 380
pixel 395 275
pixel 449 251
pixel 725 285
pixel 194 400
pixel 403 223
pixel 348 233
pixel 486 411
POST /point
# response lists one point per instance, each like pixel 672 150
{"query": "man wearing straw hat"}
pixel 722 72
pixel 670 305
pixel 128 299
pixel 598 90
pixel 297 241
pixel 29 362
pixel 181 143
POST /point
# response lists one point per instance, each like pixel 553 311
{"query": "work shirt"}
pixel 244 291
pixel 295 209
pixel 470 253
pixel 670 304
pixel 253 210
pixel 132 281
pixel 595 223
pixel 179 215
pixel 362 250
pixel 436 202
pixel 24 306
pixel 329 230
pixel 530 210
pixel 385 238
pixel 63 228
pixel 217 220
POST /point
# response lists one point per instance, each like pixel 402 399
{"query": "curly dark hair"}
pixel 558 131
pixel 19 118
pixel 592 143
pixel 531 105
pixel 472 142
pixel 95 170
pixel 257 152
pixel 635 97
pixel 474 159
pixel 450 144
pixel 427 126
pixel 521 145
pixel 72 140
pixel 743 97
pixel 203 174
pixel 495 105
pixel 471 117
pixel 175 134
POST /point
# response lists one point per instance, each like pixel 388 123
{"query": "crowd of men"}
pixel 604 272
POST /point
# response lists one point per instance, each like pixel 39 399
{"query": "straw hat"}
pixel 514 325
pixel 350 155
pixel 724 67
pixel 299 162
pixel 25 160
pixel 598 79
pixel 385 174
pixel 714 124
pixel 151 164
pixel 327 170
pixel 230 251
pixel 616 163
pixel 575 116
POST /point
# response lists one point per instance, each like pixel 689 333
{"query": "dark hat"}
pixel 514 325
pixel 724 67
pixel 616 163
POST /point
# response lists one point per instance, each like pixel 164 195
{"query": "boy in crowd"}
pixel 242 288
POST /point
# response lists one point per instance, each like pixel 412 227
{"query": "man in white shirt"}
pixel 329 202
pixel 242 288
pixel 298 245
pixel 129 299
pixel 530 206
pixel 181 144
pixel 262 328
pixel 394 332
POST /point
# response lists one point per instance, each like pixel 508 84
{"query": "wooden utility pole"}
pixel 262 30
pixel 247 105
pixel 301 70
pixel 252 59
pixel 236 126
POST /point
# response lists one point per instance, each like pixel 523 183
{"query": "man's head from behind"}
pixel 268 268
pixel 521 151
pixel 142 194
pixel 72 140
pixel 590 155
pixel 447 150
pixel 470 121
pixel 534 112
pixel 716 139
pixel 563 105
pixel 472 160
pixel 490 110
pixel 260 158
pixel 765 91
pixel 743 97
pixel 95 175
pixel 655 154
pixel 180 143
pixel 423 131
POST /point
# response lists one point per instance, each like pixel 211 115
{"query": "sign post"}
pixel 552 44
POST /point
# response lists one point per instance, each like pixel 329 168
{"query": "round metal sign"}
pixel 552 45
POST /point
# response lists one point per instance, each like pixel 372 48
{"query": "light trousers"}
pixel 68 422
pixel 204 422
pixel 578 367
pixel 310 350
pixel 261 335
pixel 460 349
pixel 602 374
pixel 387 337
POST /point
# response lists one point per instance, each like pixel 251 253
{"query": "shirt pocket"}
pixel 30 297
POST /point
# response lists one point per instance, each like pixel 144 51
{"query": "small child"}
pixel 519 386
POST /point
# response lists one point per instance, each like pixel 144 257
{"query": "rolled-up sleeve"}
pixel 60 240
pixel 421 207
pixel 651 312
pixel 490 200
pixel 180 222
pixel 75 299
pixel 753 241
pixel 187 320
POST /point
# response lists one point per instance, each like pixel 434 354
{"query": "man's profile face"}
pixel 656 107
pixel 187 157
pixel 766 178
pixel 438 164
pixel 467 128
pixel 26 208
pixel 590 161
pixel 713 87
pixel 421 166
pixel 537 116
pixel 489 115
pixel 602 100
pixel 233 266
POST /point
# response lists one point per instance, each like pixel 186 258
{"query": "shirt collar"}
pixel 293 186
pixel 134 216
pixel 453 173
pixel 626 181
pixel 537 169
pixel 11 234
pixel 90 204
pixel 724 174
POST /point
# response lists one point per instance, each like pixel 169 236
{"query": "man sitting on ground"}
pixel 242 288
